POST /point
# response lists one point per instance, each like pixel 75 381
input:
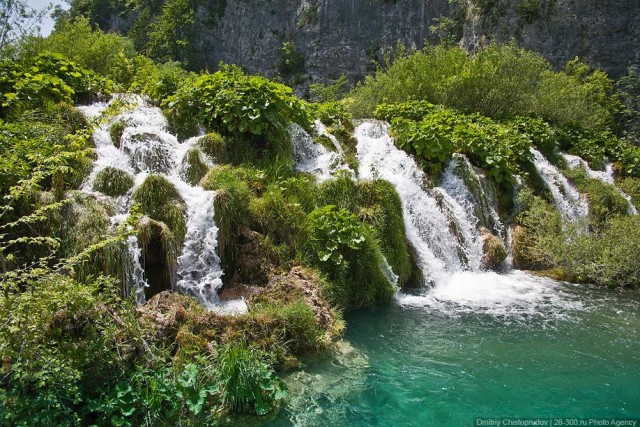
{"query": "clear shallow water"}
pixel 457 353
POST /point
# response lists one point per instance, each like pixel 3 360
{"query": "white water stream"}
pixel 147 147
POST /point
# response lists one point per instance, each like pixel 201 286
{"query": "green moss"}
pixel 631 187
pixel 214 145
pixel 115 132
pixel 231 206
pixel 193 168
pixel 113 182
pixel 159 199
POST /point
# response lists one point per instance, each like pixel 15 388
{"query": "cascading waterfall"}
pixel 146 147
pixel 436 224
pixel 571 204
pixel 606 176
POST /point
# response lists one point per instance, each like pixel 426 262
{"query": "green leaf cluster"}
pixel 237 105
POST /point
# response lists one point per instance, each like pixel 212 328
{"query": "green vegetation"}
pixel 496 82
pixel 245 107
pixel 302 250
pixel 159 199
pixel 113 182
pixel 604 256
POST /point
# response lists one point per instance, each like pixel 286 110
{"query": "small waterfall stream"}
pixel 571 204
pixel 314 158
pixel 606 176
pixel 147 147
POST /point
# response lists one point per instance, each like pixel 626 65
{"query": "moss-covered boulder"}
pixel 113 182
pixel 493 250
pixel 115 132
pixel 214 145
pixel 193 167
pixel 160 200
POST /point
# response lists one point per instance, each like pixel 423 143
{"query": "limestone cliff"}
pixel 333 37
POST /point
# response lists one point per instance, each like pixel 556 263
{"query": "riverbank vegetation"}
pixel 75 347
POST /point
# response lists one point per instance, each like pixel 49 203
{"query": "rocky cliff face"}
pixel 336 37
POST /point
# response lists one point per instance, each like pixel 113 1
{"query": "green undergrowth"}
pixel 603 256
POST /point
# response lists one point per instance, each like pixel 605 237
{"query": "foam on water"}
pixel 514 293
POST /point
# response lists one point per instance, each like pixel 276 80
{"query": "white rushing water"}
pixel 571 204
pixel 315 158
pixel 429 215
pixel 147 147
pixel 606 176
pixel 450 259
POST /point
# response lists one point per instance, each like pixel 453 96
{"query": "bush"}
pixel 499 149
pixel 498 81
pixel 250 108
pixel 346 251
pixel 113 182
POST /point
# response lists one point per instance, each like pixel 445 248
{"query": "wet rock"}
pixel 493 250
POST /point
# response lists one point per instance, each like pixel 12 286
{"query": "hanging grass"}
pixel 113 182
pixel 193 168
pixel 160 248
pixel 214 145
pixel 159 199
pixel 115 132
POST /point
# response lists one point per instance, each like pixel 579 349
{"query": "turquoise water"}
pixel 485 346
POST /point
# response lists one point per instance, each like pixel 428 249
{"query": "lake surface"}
pixel 482 345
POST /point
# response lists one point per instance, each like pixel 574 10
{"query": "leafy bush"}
pixel 346 251
pixel 107 54
pixel 47 78
pixel 498 81
pixel 238 105
pixel 497 148
pixel 113 182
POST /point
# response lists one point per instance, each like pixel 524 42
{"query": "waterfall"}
pixel 147 147
pixel 314 158
pixel 571 204
pixel 442 231
pixel 606 176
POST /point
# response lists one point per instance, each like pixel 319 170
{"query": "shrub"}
pixel 345 250
pixel 113 182
pixel 251 108
pixel 498 81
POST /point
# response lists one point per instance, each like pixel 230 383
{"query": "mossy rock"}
pixel 493 251
pixel 193 167
pixel 115 132
pixel 159 199
pixel 214 145
pixel 113 182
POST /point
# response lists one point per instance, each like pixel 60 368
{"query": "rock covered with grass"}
pixel 113 182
